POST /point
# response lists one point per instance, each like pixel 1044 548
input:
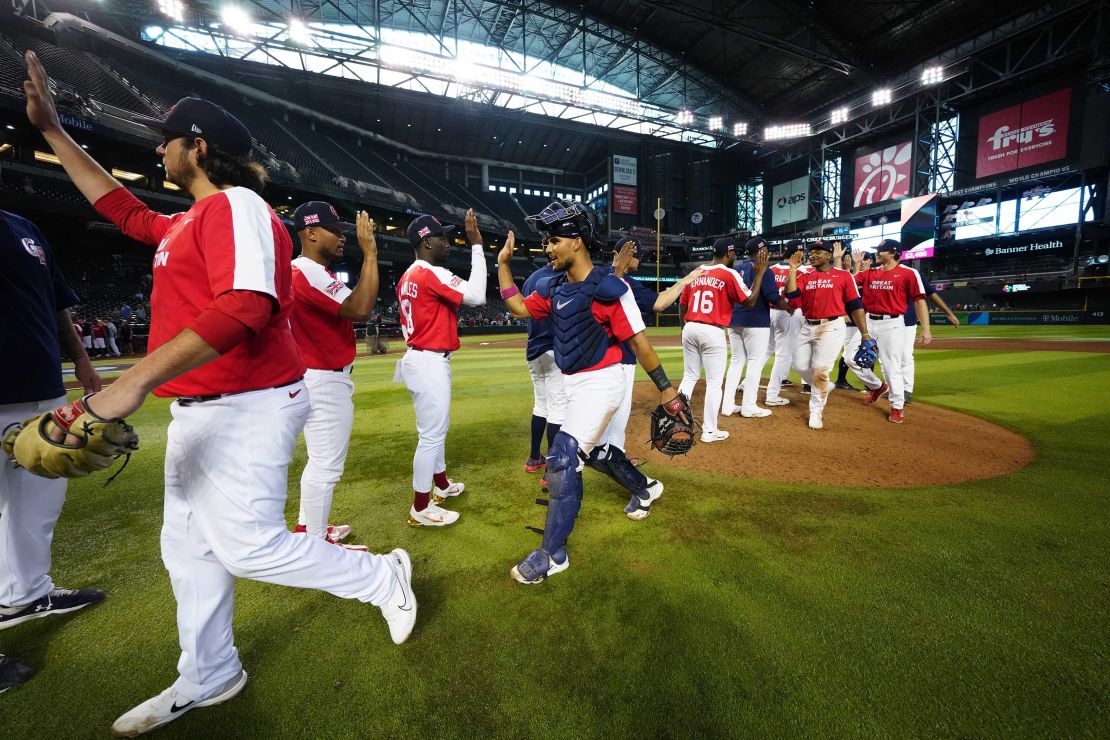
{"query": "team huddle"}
pixel 257 347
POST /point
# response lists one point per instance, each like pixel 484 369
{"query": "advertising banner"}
pixel 790 201
pixel 625 200
pixel 883 175
pixel 1024 135
pixel 624 170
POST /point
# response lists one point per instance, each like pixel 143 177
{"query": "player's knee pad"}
pixel 564 483
pixel 621 469
pixel 599 460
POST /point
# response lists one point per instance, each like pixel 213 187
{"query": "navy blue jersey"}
pixel 911 312
pixel 32 291
pixel 541 333
pixel 759 315
pixel 645 301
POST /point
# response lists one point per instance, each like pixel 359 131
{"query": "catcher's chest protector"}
pixel 580 341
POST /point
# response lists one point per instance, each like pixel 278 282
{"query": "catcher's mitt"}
pixel 867 353
pixel 672 426
pixel 99 442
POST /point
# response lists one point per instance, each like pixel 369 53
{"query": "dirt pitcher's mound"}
pixel 857 447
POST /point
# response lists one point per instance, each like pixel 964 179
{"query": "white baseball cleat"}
pixel 754 412
pixel 815 421
pixel 728 410
pixel 441 494
pixel 432 516
pixel 168 706
pixel 716 436
pixel 777 402
pixel 639 508
pixel 400 610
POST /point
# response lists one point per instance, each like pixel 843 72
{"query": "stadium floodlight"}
pixel 299 33
pixel 786 131
pixel 684 118
pixel 173 8
pixel 840 115
pixel 716 123
pixel 237 20
pixel 932 75
pixel 739 129
pixel 882 96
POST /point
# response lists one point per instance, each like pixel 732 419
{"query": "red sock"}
pixel 420 500
pixel 441 480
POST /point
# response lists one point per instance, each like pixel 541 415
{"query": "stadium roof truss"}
pixel 528 56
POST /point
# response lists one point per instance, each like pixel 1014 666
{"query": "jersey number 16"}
pixel 702 302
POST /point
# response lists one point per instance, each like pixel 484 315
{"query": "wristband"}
pixel 507 293
pixel 659 377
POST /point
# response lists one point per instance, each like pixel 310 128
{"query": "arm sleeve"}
pixel 929 289
pixel 239 245
pixel 133 217
pixel 538 306
pixel 231 318
pixel 474 290
pixel 853 304
pixel 319 290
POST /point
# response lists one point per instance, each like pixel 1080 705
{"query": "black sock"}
pixel 842 373
pixel 538 424
pixel 552 430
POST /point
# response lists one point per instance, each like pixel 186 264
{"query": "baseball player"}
pixel 873 384
pixel 592 311
pixel 887 293
pixel 550 399
pixel 909 338
pixel 430 295
pixel 220 342
pixel 708 302
pixel 323 309
pixel 34 301
pixel 749 333
pixel 825 294
pixel 785 325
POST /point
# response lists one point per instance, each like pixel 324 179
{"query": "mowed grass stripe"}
pixel 738 609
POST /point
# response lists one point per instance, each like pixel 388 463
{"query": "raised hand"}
pixel 40 101
pixel 838 253
pixel 623 258
pixel 367 242
pixel 761 259
pixel 470 224
pixel 795 260
pixel 506 252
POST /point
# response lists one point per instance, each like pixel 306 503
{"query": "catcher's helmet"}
pixel 564 219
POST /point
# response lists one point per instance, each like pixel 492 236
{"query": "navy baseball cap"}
pixel 754 244
pixel 791 247
pixel 319 213
pixel 203 119
pixel 722 245
pixel 625 240
pixel 424 226
pixel 889 245
pixel 821 245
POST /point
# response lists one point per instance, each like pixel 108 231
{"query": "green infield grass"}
pixel 737 609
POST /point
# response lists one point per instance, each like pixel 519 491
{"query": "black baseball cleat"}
pixel 845 386
pixel 58 601
pixel 12 673
pixel 787 382
pixel 806 388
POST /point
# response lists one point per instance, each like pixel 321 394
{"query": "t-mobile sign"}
pixel 1024 135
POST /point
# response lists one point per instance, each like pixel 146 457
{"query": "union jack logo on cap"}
pixel 424 231
pixel 311 218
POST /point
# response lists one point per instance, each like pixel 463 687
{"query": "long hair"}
pixel 223 169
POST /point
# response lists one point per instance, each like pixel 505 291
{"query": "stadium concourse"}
pixel 913 546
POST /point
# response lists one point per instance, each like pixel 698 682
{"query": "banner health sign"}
pixel 790 201
pixel 1024 135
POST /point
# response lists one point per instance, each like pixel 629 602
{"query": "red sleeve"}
pixel 915 289
pixel 851 293
pixel 232 318
pixel 859 277
pixel 133 217
pixel 685 297
pixel 308 295
pixel 538 306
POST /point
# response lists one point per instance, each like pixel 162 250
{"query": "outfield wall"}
pixel 1027 318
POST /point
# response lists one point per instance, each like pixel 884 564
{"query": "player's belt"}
pixel 882 316
pixel 818 322
pixel 706 323
pixel 346 369
pixel 444 352
pixel 190 400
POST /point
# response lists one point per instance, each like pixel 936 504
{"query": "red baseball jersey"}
pixel 710 298
pixel 326 339
pixel 621 319
pixel 825 295
pixel 228 241
pixel 781 270
pixel 430 297
pixel 890 291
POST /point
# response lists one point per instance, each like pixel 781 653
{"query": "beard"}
pixel 182 172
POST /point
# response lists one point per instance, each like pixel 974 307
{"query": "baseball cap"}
pixel 319 213
pixel 424 226
pixel 205 120
pixel 820 244
pixel 722 245
pixel 791 247
pixel 754 244
pixel 889 245
pixel 636 252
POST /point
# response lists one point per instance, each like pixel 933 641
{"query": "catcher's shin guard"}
pixel 564 483
pixel 614 463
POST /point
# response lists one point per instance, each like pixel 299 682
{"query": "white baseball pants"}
pixel 593 399
pixel 852 340
pixel 427 375
pixel 615 432
pixel 818 346
pixel 890 334
pixel 327 434
pixel 550 398
pixel 749 348
pixel 703 346
pixel 29 508
pixel 783 342
pixel 908 368
pixel 227 462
